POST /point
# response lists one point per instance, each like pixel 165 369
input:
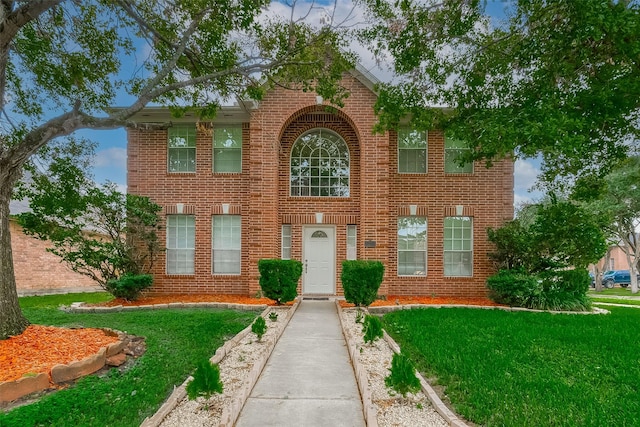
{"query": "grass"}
pixel 176 340
pixel 504 368
pixel 626 292
pixel 616 301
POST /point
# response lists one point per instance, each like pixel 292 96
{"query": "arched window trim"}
pixel 321 179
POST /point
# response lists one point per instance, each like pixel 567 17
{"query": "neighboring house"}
pixel 615 259
pixel 292 177
pixel 40 272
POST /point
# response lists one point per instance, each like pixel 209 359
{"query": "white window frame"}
pixel 181 233
pixel 227 142
pixel 352 242
pixel 226 239
pixel 452 150
pixel 458 243
pixel 412 137
pixel 285 251
pixel 310 173
pixel 411 245
pixel 181 149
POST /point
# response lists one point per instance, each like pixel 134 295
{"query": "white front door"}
pixel 319 260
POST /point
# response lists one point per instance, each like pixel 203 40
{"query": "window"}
pixel 453 150
pixel 226 244
pixel 181 244
pixel 227 149
pixel 286 241
pixel 458 246
pixel 352 248
pixel 320 165
pixel 412 151
pixel 412 246
pixel 182 149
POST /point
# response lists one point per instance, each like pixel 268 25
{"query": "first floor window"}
pixel 458 246
pixel 412 246
pixel 286 241
pixel 226 244
pixel 352 248
pixel 181 244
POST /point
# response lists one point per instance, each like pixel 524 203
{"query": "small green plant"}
pixel 129 286
pixel 259 327
pixel 402 378
pixel 206 381
pixel 359 315
pixel 273 316
pixel 372 328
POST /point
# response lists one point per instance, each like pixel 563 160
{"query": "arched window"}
pixel 320 165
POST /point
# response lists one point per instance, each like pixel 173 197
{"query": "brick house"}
pixel 292 177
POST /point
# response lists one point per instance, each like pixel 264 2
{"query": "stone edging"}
pixel 230 414
pixel 59 374
pixel 388 308
pixel 370 411
pixel 79 307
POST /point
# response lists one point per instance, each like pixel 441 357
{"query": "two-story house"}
pixel 292 177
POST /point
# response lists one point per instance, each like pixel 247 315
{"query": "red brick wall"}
pixel 40 272
pixel 378 195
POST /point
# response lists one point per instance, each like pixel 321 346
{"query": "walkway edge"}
pixel 370 410
pixel 180 392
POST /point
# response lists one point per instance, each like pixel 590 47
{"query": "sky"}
pixel 111 152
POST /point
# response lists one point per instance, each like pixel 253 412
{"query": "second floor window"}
pixel 412 151
pixel 454 149
pixel 227 149
pixel 320 165
pixel 182 149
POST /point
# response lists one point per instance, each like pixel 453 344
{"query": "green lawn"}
pixel 626 292
pixel 176 340
pixel 504 368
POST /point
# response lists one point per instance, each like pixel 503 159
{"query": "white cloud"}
pixel 113 157
pixel 525 175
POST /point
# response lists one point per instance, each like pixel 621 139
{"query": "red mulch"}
pixel 40 348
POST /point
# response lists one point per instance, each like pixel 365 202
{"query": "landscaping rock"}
pixel 12 390
pixel 72 371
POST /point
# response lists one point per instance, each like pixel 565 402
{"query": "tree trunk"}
pixel 12 321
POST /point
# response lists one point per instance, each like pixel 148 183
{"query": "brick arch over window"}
pixel 319 114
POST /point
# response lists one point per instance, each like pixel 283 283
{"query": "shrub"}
pixel 550 290
pixel 129 286
pixel 259 327
pixel 372 328
pixel 402 377
pixel 515 288
pixel 361 281
pixel 279 279
pixel 565 290
pixel 206 381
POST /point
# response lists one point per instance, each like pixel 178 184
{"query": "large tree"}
pixel 62 63
pixel 616 199
pixel 556 79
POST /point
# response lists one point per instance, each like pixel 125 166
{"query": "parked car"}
pixel 620 277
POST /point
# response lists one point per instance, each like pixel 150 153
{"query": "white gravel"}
pixel 392 409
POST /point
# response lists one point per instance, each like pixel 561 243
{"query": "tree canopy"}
pixel 64 63
pixel 556 79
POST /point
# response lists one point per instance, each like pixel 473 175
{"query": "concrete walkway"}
pixel 309 380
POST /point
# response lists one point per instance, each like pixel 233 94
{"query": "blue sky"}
pixel 110 161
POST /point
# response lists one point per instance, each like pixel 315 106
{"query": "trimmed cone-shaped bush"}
pixel 403 377
pixel 279 279
pixel 206 381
